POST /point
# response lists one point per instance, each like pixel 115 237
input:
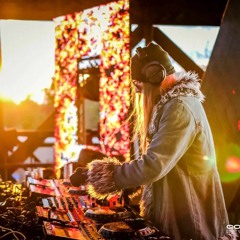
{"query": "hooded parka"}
pixel 182 193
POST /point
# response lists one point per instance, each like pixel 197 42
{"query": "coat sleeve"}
pixel 176 132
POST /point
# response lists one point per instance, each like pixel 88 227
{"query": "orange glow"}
pixel 233 164
pixel 101 30
pixel 27 49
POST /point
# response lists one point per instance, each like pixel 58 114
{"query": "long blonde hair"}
pixel 142 107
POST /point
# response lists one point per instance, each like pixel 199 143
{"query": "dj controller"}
pixel 68 212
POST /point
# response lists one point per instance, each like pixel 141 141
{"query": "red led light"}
pixel 233 164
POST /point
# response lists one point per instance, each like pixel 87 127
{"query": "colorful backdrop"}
pixel 103 31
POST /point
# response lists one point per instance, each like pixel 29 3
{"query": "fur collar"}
pixel 187 84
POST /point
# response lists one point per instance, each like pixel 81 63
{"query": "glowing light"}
pixel 206 158
pixel 100 31
pixel 233 164
pixel 27 59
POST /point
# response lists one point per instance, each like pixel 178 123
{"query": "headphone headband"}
pixel 151 64
pixel 141 53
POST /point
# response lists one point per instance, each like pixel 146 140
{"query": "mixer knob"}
pixel 117 230
pixel 100 214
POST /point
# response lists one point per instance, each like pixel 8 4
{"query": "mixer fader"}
pixel 73 214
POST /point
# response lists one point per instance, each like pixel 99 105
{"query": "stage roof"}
pixel 174 12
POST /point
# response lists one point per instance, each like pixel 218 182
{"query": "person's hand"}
pixel 79 177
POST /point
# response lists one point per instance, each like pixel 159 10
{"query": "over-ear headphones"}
pixel 152 72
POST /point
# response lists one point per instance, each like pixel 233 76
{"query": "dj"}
pixel 182 192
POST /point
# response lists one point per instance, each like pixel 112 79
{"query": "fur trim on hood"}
pixel 187 84
pixel 100 173
pixel 101 183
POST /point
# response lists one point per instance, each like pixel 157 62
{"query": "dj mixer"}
pixel 68 212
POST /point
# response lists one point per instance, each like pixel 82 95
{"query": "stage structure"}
pixel 102 31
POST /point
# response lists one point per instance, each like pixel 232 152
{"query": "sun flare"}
pixel 28 50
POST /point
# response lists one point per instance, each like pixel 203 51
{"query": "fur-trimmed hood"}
pixel 187 84
pixel 182 192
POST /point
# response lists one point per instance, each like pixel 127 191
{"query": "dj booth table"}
pixel 53 209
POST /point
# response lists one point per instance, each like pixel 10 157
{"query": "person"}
pixel 182 193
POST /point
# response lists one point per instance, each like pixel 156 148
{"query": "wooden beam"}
pixel 178 12
pixel 26 148
pixel 175 12
pixel 44 9
pixel 175 52
pixel 136 36
pixel 221 81
pixel 221 86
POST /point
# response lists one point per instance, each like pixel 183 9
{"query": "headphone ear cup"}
pixel 154 73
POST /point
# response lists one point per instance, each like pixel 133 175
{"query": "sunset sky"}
pixel 27 58
pixel 28 54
